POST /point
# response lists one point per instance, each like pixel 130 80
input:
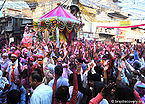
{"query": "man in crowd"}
pixel 4 62
pixel 61 81
pixel 14 70
pixel 42 93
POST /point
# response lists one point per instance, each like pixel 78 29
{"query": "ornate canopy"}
pixel 61 18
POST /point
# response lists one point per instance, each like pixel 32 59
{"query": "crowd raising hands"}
pixel 83 72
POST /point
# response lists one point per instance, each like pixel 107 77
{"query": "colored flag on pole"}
pixel 27 37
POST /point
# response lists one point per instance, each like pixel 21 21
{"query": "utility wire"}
pixel 64 2
pixel 2 5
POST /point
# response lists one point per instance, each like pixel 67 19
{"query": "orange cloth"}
pixel 12 74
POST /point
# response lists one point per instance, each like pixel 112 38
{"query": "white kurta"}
pixel 42 95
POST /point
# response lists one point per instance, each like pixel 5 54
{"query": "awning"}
pixel 117 15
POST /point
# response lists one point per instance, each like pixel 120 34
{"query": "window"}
pixel 9 23
pixel 17 22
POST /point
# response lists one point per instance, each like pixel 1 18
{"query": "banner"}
pixel 122 26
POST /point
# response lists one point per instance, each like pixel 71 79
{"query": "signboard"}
pixel 125 23
pixel 12 39
pixel 111 31
pixel 124 34
pixel 121 35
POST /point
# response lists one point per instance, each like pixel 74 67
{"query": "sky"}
pixel 14 4
pixel 134 7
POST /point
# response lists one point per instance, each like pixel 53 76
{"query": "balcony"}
pixel 27 21
pixel 16 28
pixel 8 28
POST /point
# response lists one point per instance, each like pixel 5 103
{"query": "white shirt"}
pixel 61 81
pixel 3 82
pixel 42 95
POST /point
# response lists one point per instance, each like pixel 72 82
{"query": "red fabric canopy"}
pixel 59 12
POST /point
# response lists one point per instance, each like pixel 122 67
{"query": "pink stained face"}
pixel 59 62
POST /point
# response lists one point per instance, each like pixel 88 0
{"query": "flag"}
pixel 27 37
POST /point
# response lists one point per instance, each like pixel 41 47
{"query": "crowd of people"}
pixel 84 72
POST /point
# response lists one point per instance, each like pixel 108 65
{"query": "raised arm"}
pixel 73 99
pixel 104 92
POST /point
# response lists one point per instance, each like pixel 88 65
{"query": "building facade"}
pixel 13 27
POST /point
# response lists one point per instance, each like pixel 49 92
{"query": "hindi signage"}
pixel 125 23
